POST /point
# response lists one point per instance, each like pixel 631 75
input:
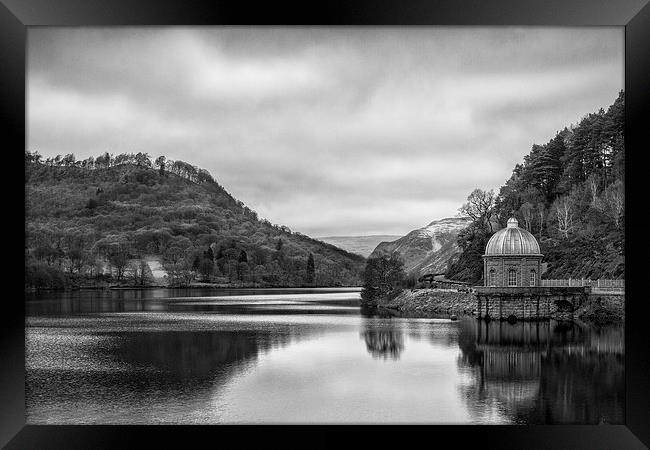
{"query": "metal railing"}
pixel 579 282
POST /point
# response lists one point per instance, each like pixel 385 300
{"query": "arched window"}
pixel 492 280
pixel 533 278
pixel 512 277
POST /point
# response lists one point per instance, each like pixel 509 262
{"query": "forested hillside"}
pixel 569 193
pixel 93 221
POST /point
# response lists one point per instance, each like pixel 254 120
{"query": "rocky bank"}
pixel 599 309
pixel 428 302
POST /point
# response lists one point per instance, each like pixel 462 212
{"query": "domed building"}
pixel 512 258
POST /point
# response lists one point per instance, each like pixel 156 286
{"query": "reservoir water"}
pixel 208 356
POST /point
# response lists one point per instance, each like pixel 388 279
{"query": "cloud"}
pixel 219 78
pixel 331 131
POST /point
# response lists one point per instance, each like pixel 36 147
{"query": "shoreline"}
pixel 429 302
pixel 194 286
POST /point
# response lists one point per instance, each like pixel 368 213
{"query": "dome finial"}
pixel 513 223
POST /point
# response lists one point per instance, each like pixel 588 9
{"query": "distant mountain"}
pixel 429 249
pixel 361 245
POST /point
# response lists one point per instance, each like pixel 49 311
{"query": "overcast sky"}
pixel 330 131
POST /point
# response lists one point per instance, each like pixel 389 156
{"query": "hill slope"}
pixel 426 250
pixel 82 215
pixel 361 245
pixel 568 192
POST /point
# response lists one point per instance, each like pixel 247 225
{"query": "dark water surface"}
pixel 304 356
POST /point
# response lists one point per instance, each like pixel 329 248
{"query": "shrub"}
pixel 42 276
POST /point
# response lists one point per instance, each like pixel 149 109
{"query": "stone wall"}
pixel 502 265
pixel 529 303
pixel 525 307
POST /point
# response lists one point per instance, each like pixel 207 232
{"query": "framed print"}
pixel 289 220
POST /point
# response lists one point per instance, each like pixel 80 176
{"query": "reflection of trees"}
pixel 193 355
pixel 370 312
pixel 544 372
pixel 581 388
pixel 156 364
pixel 55 303
pixel 383 338
pixel 92 302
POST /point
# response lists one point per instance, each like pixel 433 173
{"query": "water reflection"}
pixel 383 338
pixel 194 356
pixel 158 376
pixel 171 357
pixel 544 372
pixel 230 301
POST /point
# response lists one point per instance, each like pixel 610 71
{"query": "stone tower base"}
pixel 529 303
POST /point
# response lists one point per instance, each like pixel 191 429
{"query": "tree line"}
pixel 140 159
pixel 90 223
pixel 569 193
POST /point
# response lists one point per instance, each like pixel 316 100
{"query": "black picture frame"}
pixel 634 15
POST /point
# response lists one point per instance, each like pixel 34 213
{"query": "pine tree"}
pixel 311 270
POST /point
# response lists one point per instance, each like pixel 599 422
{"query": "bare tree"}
pixel 612 203
pixel 140 272
pixel 564 215
pixel 480 207
pixel 541 215
pixel 527 210
pixel 592 184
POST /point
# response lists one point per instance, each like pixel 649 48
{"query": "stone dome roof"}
pixel 512 240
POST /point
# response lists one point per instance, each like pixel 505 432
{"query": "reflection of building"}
pixel 545 372
pixel 512 361
pixel 512 258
